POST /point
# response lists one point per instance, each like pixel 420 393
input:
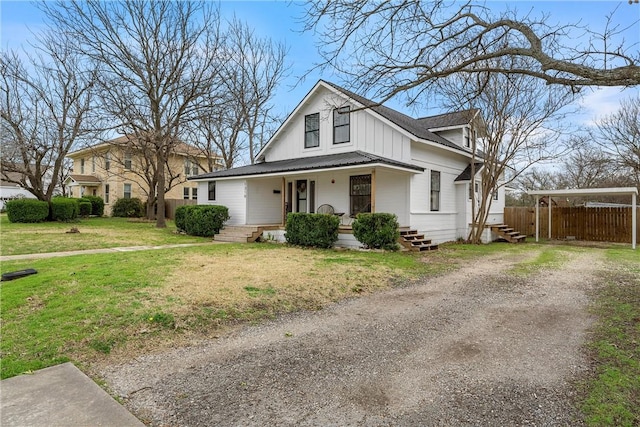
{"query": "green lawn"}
pixel 95 233
pixel 612 394
pixel 81 308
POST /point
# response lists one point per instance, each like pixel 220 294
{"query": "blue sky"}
pixel 280 21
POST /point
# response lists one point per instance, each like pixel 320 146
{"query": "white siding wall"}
pixel 453 135
pixel 231 194
pixel 442 225
pixel 392 194
pixel 367 133
pixel 263 205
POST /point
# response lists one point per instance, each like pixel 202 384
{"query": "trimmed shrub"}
pixel 201 220
pixel 64 209
pixel 315 230
pixel 84 207
pixel 27 210
pixel 377 230
pixel 180 217
pixel 97 205
pixel 128 208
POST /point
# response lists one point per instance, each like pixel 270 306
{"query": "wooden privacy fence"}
pixel 170 206
pixel 595 224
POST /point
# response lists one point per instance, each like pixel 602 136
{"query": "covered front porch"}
pixel 342 192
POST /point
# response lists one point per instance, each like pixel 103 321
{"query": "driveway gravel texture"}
pixel 479 346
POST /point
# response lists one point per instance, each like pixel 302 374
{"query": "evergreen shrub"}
pixel 201 220
pixel 377 230
pixel 128 208
pixel 27 210
pixel 64 209
pixel 314 230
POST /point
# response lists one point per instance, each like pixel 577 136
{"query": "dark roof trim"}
pixel 330 161
pixel 466 173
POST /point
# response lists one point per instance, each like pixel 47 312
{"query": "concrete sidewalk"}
pixel 59 396
pixel 99 251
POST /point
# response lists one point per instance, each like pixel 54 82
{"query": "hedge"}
pixel 315 230
pixel 97 205
pixel 64 209
pixel 27 210
pixel 377 230
pixel 201 220
pixel 128 208
pixel 84 207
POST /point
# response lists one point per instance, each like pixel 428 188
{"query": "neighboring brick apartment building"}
pixel 111 170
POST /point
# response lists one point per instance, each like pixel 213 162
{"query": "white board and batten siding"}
pixel 367 133
pixel 229 193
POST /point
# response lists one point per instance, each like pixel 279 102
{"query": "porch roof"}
pixel 330 161
pixel 466 174
pixel 88 180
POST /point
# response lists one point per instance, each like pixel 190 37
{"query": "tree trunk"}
pixel 160 220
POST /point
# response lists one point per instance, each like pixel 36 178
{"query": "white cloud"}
pixel 602 101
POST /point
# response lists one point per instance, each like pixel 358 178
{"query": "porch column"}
pixel 283 201
pixel 373 191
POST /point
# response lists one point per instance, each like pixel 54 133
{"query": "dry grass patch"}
pixel 262 282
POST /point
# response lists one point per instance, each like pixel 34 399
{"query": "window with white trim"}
pixel 312 130
pixel 435 190
pixel 341 125
pixel 127 191
pixel 212 190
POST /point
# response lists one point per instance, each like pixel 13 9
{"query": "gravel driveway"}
pixel 478 346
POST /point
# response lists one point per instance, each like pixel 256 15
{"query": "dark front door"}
pixel 301 195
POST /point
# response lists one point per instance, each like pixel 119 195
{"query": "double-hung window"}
pixel 185 193
pixel 194 193
pixel 127 191
pixel 127 160
pixel 107 161
pixel 212 190
pixel 435 190
pixel 312 130
pixel 82 166
pixel 341 125
pixel 106 193
pixel 190 167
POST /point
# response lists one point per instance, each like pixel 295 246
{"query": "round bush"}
pixel 84 207
pixel 27 210
pixel 377 230
pixel 64 209
pixel 315 230
pixel 128 208
pixel 201 220
pixel 97 205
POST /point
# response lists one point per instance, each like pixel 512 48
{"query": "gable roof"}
pixel 414 127
pixel 446 120
pixel 408 123
pixel 329 161
pixel 84 179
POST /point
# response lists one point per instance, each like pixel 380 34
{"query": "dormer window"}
pixel 312 130
pixel 341 125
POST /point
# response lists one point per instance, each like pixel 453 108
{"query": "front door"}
pixel 301 195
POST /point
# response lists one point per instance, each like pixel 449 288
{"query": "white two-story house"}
pixel 337 148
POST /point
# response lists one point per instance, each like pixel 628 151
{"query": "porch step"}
pixel 238 234
pixel 415 241
pixel 507 233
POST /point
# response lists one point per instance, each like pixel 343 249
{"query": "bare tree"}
pixel 259 65
pixel 522 127
pixel 239 117
pixel 619 135
pixel 44 109
pixel 400 46
pixel 156 59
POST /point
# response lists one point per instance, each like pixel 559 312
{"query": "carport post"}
pixel 537 217
pixel 634 220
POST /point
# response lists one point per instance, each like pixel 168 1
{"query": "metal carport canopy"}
pixel 621 191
